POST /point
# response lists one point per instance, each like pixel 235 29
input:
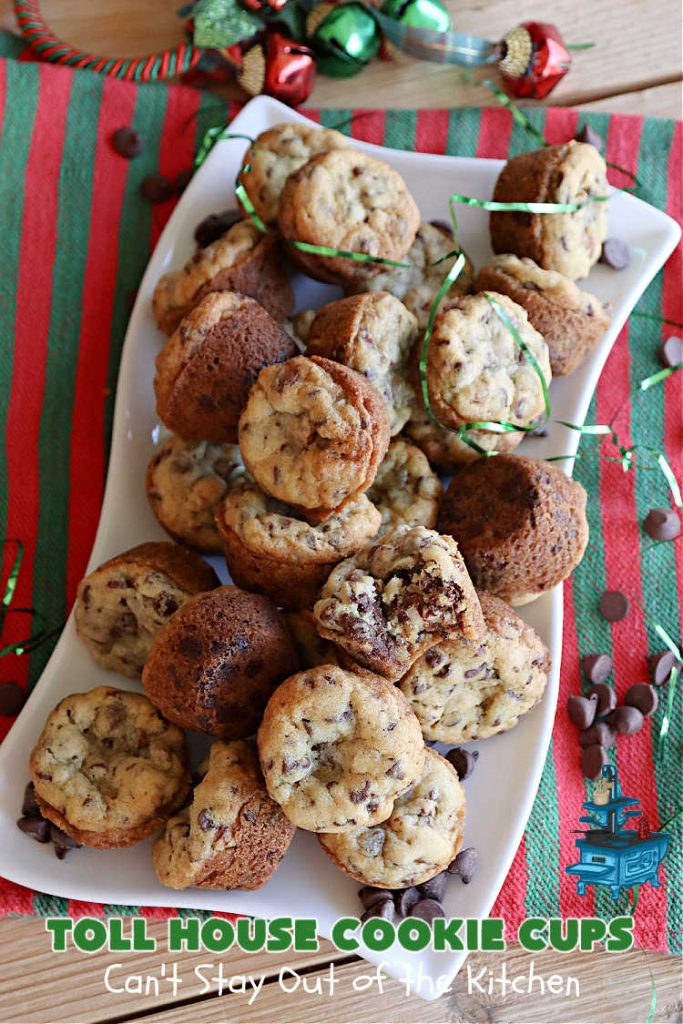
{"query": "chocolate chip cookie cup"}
pixel 520 524
pixel 571 321
pixel 108 769
pixel 337 749
pixel 477 371
pixel 373 334
pixel 416 286
pixel 276 154
pixel 232 835
pixel 313 434
pixel 205 369
pixel 406 490
pixel 271 549
pixel 417 841
pixel 349 201
pixel 465 690
pixel 216 664
pixel 122 605
pixel 445 449
pixel 395 599
pixel 572 173
pixel 185 481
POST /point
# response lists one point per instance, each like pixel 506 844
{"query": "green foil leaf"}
pixel 221 23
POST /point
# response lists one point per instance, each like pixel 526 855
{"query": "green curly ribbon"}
pixel 31 642
pixel 11 584
pixel 657 377
pixel 520 342
pixel 498 207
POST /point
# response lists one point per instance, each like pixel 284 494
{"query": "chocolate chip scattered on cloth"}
pixel 662 524
pixel 614 605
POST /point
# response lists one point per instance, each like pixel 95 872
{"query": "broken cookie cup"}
pixel 232 835
pixel 464 690
pixel 337 749
pixel 108 769
pixel 417 841
pixel 122 605
pixel 396 598
pixel 272 549
pixel 312 434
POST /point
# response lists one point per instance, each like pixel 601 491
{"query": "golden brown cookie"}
pixel 398 597
pixel 277 153
pixel 217 662
pixel 476 370
pixel 232 835
pixel 271 549
pixel 520 524
pixel 108 769
pixel 205 370
pixel 313 433
pixel 406 490
pixel 416 842
pixel 337 749
pixel 571 321
pixel 242 260
pixel 416 286
pixel 465 690
pixel 122 605
pixel 570 243
pixel 374 334
pixel 349 201
pixel 185 481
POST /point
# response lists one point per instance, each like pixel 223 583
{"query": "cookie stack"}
pixel 371 611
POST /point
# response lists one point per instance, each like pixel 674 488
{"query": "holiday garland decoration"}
pixel 273 46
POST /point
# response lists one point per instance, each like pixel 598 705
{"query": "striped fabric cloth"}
pixel 76 236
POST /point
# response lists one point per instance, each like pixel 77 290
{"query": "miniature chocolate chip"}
pixel 434 888
pixel 183 179
pixel 215 225
pixel 614 605
pixel 607 698
pixel 626 720
pixel 592 760
pixel 600 734
pixel 615 254
pixel 127 142
pixel 385 909
pixel 29 807
pixel 36 828
pixel 62 842
pixel 671 352
pixel 597 667
pixel 427 910
pixel 644 697
pixel 369 896
pixel 662 524
pixel 205 821
pixel 405 900
pixel 12 698
pixel 464 761
pixel 156 188
pixel 581 711
pixel 589 135
pixel 464 865
pixel 661 666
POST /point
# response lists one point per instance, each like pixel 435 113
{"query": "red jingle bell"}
pixel 278 67
pixel 534 60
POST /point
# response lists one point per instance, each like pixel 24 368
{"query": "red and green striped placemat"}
pixel 76 235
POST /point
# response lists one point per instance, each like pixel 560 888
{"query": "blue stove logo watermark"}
pixel 609 853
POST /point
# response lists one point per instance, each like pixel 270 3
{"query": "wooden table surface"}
pixel 635 67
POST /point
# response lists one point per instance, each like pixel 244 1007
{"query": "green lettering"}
pixel 183 935
pixel 306 935
pixel 378 934
pixel 341 940
pixel 90 934
pixel 492 934
pixel 251 933
pixel 60 928
pixel 445 933
pixel 563 935
pixel 592 930
pixel 414 934
pixel 527 934
pixel 217 935
pixel 620 934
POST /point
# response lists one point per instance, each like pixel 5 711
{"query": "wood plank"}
pixel 660 101
pixel 37 985
pixel 601 976
pixel 632 50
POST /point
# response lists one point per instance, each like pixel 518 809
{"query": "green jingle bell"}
pixel 344 40
pixel 418 14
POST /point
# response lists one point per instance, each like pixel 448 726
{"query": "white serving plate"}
pixel 501 792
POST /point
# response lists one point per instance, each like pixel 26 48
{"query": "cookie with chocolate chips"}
pixel 122 605
pixel 217 662
pixel 232 835
pixel 108 769
pixel 337 749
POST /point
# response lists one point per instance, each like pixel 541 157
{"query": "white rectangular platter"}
pixel 501 791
